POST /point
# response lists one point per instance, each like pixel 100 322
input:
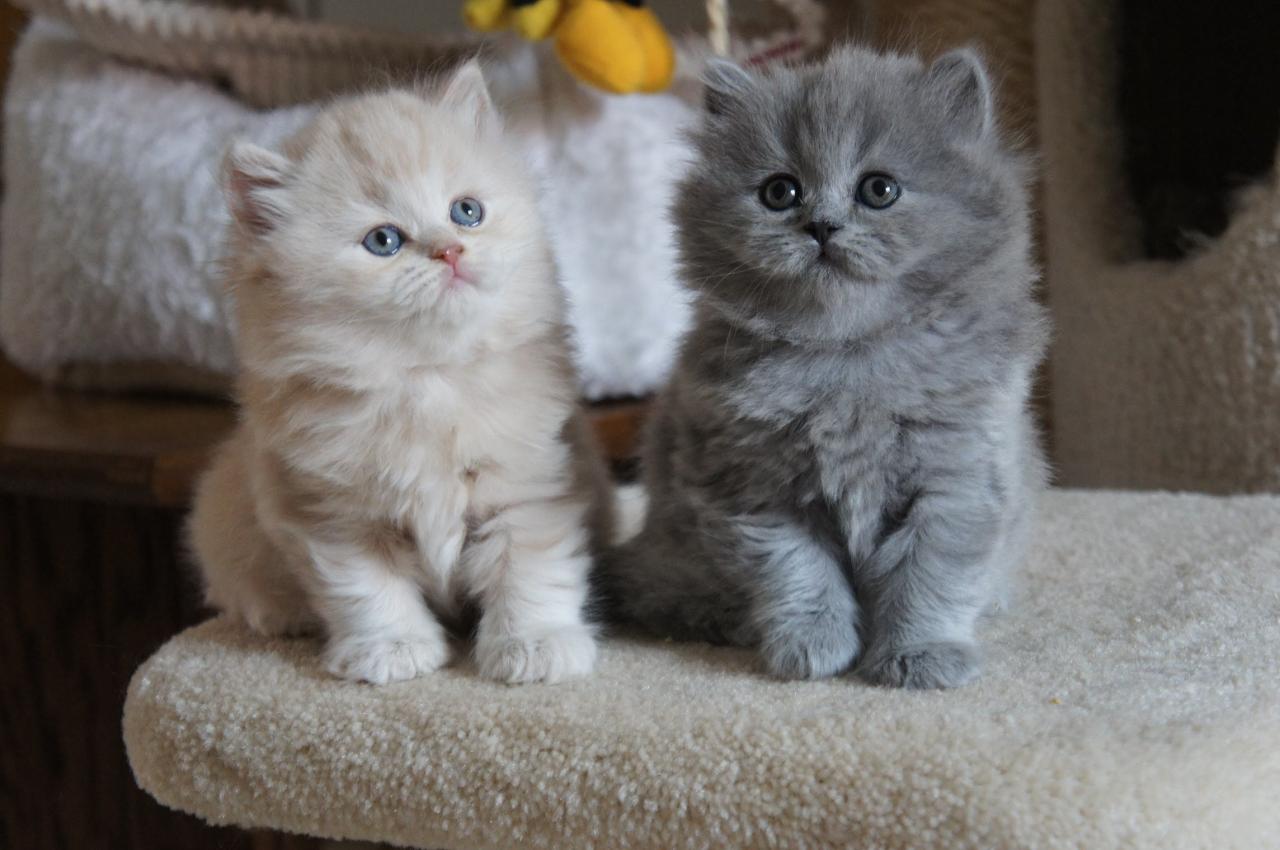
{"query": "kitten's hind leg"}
pixel 244 574
pixel 803 607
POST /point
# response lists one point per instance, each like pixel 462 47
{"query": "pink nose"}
pixel 449 254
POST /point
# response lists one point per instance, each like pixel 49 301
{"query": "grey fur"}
pixel 844 457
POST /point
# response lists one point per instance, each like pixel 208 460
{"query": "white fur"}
pixel 111 227
pixel 409 441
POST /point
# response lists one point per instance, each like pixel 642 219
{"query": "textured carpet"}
pixel 1131 700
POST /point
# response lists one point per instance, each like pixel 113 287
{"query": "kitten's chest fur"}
pixel 413 453
pixel 862 466
pixel 840 433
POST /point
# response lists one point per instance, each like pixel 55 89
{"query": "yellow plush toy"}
pixel 617 45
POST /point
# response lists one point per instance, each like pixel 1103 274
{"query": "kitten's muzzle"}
pixel 821 231
pixel 451 255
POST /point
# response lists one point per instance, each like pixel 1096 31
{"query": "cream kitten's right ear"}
pixel 253 177
pixel 468 93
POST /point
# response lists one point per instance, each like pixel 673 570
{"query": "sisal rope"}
pixel 718 26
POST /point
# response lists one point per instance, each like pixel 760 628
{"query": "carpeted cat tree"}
pixel 1131 697
pixel 1130 701
pixel 1162 201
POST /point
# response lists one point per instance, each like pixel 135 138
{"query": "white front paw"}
pixel 383 660
pixel 549 657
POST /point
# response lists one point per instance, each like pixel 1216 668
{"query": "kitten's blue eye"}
pixel 878 191
pixel 780 192
pixel 383 241
pixel 467 212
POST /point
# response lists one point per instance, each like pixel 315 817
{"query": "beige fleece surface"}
pixel 1131 699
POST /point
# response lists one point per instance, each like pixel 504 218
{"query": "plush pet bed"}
pixel 1131 700
pixel 113 220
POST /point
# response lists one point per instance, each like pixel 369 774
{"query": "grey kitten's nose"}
pixel 821 230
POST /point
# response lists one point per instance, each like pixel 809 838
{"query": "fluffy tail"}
pixel 639 582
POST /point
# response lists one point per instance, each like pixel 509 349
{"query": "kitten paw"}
pixel 558 655
pixel 817 651
pixel 380 661
pixel 924 666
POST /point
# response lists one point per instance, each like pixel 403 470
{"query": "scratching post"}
pixel 1165 372
pixel 718 26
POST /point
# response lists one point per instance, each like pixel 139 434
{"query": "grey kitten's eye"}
pixel 467 212
pixel 383 241
pixel 878 191
pixel 780 192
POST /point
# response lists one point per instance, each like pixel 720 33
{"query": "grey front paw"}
pixel 814 650
pixel 923 666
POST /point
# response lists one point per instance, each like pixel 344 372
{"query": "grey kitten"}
pixel 843 464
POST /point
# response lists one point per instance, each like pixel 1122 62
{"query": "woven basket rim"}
pixel 267 59
pixel 248 29
pixel 237 28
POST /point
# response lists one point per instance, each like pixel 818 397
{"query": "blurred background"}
pixel 1154 127
pixel 437 16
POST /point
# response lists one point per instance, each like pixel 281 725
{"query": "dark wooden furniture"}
pixel 92 492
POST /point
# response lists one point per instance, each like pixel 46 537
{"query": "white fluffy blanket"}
pixel 112 222
pixel 1131 700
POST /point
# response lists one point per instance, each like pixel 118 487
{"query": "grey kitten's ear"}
pixel 253 177
pixel 468 93
pixel 727 84
pixel 962 82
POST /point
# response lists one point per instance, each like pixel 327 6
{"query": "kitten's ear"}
pixel 727 85
pixel 467 92
pixel 253 177
pixel 962 82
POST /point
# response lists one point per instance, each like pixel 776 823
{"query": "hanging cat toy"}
pixel 616 45
pixel 621 47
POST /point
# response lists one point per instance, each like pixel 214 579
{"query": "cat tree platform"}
pixel 1131 700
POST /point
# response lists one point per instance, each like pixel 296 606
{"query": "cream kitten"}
pixel 411 447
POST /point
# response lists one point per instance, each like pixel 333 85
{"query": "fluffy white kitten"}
pixel 411 450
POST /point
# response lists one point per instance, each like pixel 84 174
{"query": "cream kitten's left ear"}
pixel 253 177
pixel 468 93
